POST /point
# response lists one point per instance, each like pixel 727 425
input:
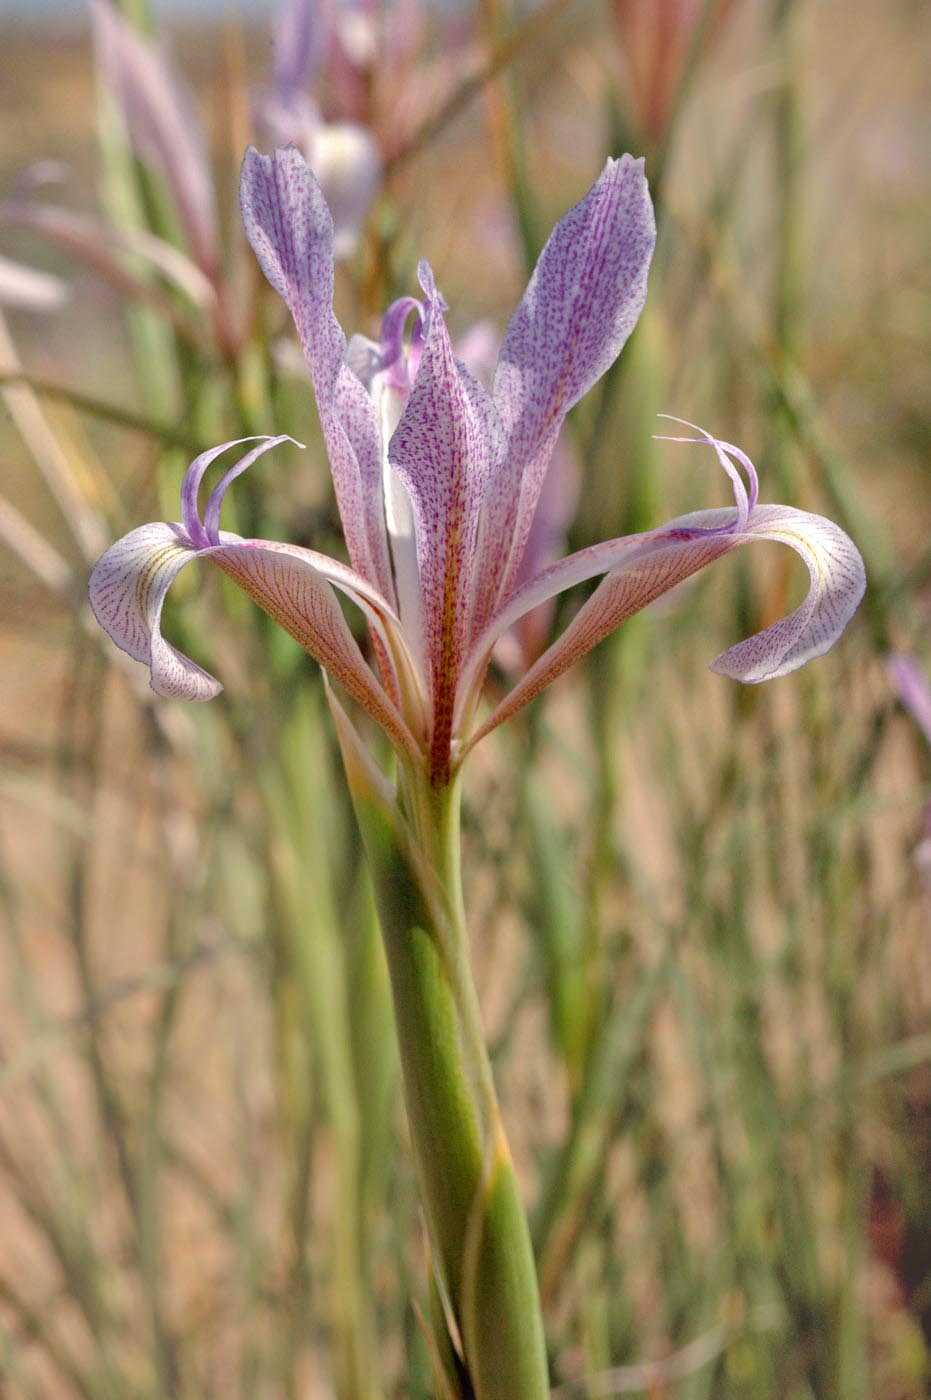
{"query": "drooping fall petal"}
pixel 296 594
pixel 127 590
pixel 294 586
pixel 838 582
pixel 640 568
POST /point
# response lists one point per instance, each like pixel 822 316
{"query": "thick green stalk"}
pixel 477 1224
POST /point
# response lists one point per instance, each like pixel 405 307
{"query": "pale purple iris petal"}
pixel 301 35
pixel 581 304
pixel 129 584
pixel 746 498
pixel 640 568
pixel 478 349
pixel 190 486
pixel 291 232
pixel 215 501
pixel 912 688
pixel 445 449
pixel 838 582
pixel 289 584
pixel 161 122
pixel 101 245
pixel 127 590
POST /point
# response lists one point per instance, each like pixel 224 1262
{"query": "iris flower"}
pixel 437 482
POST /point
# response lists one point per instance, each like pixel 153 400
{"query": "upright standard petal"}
pixel 581 304
pixel 127 590
pixel 445 449
pixel 161 123
pixel 291 232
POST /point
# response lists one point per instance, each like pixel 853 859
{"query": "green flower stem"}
pixel 477 1224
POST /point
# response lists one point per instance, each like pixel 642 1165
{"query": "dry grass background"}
pixel 747 1165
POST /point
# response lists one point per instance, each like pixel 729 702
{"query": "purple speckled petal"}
pixel 161 123
pixel 127 589
pixel 291 232
pixel 445 449
pixel 581 304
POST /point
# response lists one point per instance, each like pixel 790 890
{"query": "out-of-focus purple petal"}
pixel 162 124
pixel 291 232
pixel 28 289
pixel 912 688
pixel 103 246
pixel 360 32
pixel 581 304
pixel 405 24
pixel 478 350
pixel 127 590
pixel 347 162
pixel 290 118
pixel 445 450
pixel 300 37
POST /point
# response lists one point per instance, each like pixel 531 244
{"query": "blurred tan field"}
pixel 699 912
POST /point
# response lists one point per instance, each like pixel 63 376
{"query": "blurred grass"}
pixel 700 938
